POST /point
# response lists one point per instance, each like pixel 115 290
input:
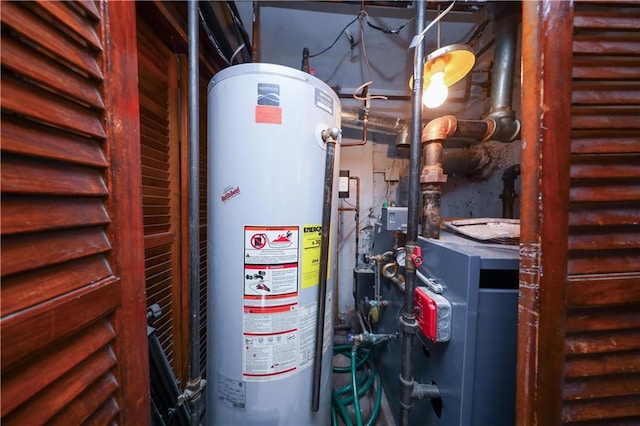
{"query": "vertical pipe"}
pixel 305 60
pixel 431 201
pixel 357 231
pixel 324 264
pixel 255 32
pixel 194 206
pixel 407 319
pixel 506 44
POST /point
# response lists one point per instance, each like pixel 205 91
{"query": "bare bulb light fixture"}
pixel 443 68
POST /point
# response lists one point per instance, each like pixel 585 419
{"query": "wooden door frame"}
pixel 547 35
pixel 125 184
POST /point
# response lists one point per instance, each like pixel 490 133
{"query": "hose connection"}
pixel 371 338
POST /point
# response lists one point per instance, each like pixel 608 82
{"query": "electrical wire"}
pixel 418 39
pixel 362 87
pixel 238 50
pixel 212 38
pixel 336 40
pixel 395 31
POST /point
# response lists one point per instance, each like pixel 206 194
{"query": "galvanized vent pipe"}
pixel 407 321
pixel 195 384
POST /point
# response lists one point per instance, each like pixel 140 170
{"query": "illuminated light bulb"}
pixel 436 93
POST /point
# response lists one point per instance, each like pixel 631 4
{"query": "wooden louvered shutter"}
pixel 73 315
pixel 161 131
pixel 579 323
pixel 602 362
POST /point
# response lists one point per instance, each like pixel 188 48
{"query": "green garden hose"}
pixel 359 386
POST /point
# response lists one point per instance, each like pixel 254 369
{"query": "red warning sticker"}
pixel 268 114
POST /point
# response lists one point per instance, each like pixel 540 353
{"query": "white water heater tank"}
pixel 266 161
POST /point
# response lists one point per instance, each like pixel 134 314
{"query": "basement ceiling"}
pixel 287 27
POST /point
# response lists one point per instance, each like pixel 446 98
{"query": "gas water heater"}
pixel 266 160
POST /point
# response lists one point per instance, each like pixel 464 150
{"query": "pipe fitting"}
pixel 439 128
pixel 506 127
pixel 425 391
pixel 433 174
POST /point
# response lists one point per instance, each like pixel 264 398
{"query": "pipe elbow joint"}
pixel 506 127
pixel 440 128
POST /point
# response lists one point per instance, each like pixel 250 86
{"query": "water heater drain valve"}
pixel 433 313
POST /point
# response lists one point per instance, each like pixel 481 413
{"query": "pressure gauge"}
pixel 401 255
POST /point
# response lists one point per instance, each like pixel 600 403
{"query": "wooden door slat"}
pixel 612 408
pixel 605 193
pixel 601 342
pixel 601 387
pixel 33 140
pixel 90 8
pixel 44 107
pixel 70 19
pixel 60 394
pixel 602 364
pixel 106 414
pixel 605 239
pixel 43 34
pixel 20 175
pixel 28 252
pixel 19 386
pixel 599 290
pixel 604 262
pixel 601 214
pixel 33 287
pixel 78 410
pixel 31 331
pixel 26 214
pixel 49 73
pixel 587 319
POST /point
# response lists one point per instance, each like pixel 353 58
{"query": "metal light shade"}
pixel 455 60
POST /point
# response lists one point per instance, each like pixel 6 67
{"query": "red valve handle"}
pixel 416 256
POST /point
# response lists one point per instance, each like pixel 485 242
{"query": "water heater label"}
pixel 324 101
pixel 268 94
pixel 311 240
pixel 268 109
pixel 231 393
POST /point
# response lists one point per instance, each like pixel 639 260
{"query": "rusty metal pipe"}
pixel 509 194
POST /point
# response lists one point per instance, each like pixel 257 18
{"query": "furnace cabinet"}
pixel 476 370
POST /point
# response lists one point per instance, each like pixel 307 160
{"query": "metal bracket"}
pixel 430 283
pixel 410 326
pixel 193 392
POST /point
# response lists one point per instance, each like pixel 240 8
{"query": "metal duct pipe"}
pixel 507 20
pixel 407 321
pixel 195 384
pixel 354 118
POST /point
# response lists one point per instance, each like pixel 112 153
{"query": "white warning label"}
pixel 270 245
pixel 267 357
